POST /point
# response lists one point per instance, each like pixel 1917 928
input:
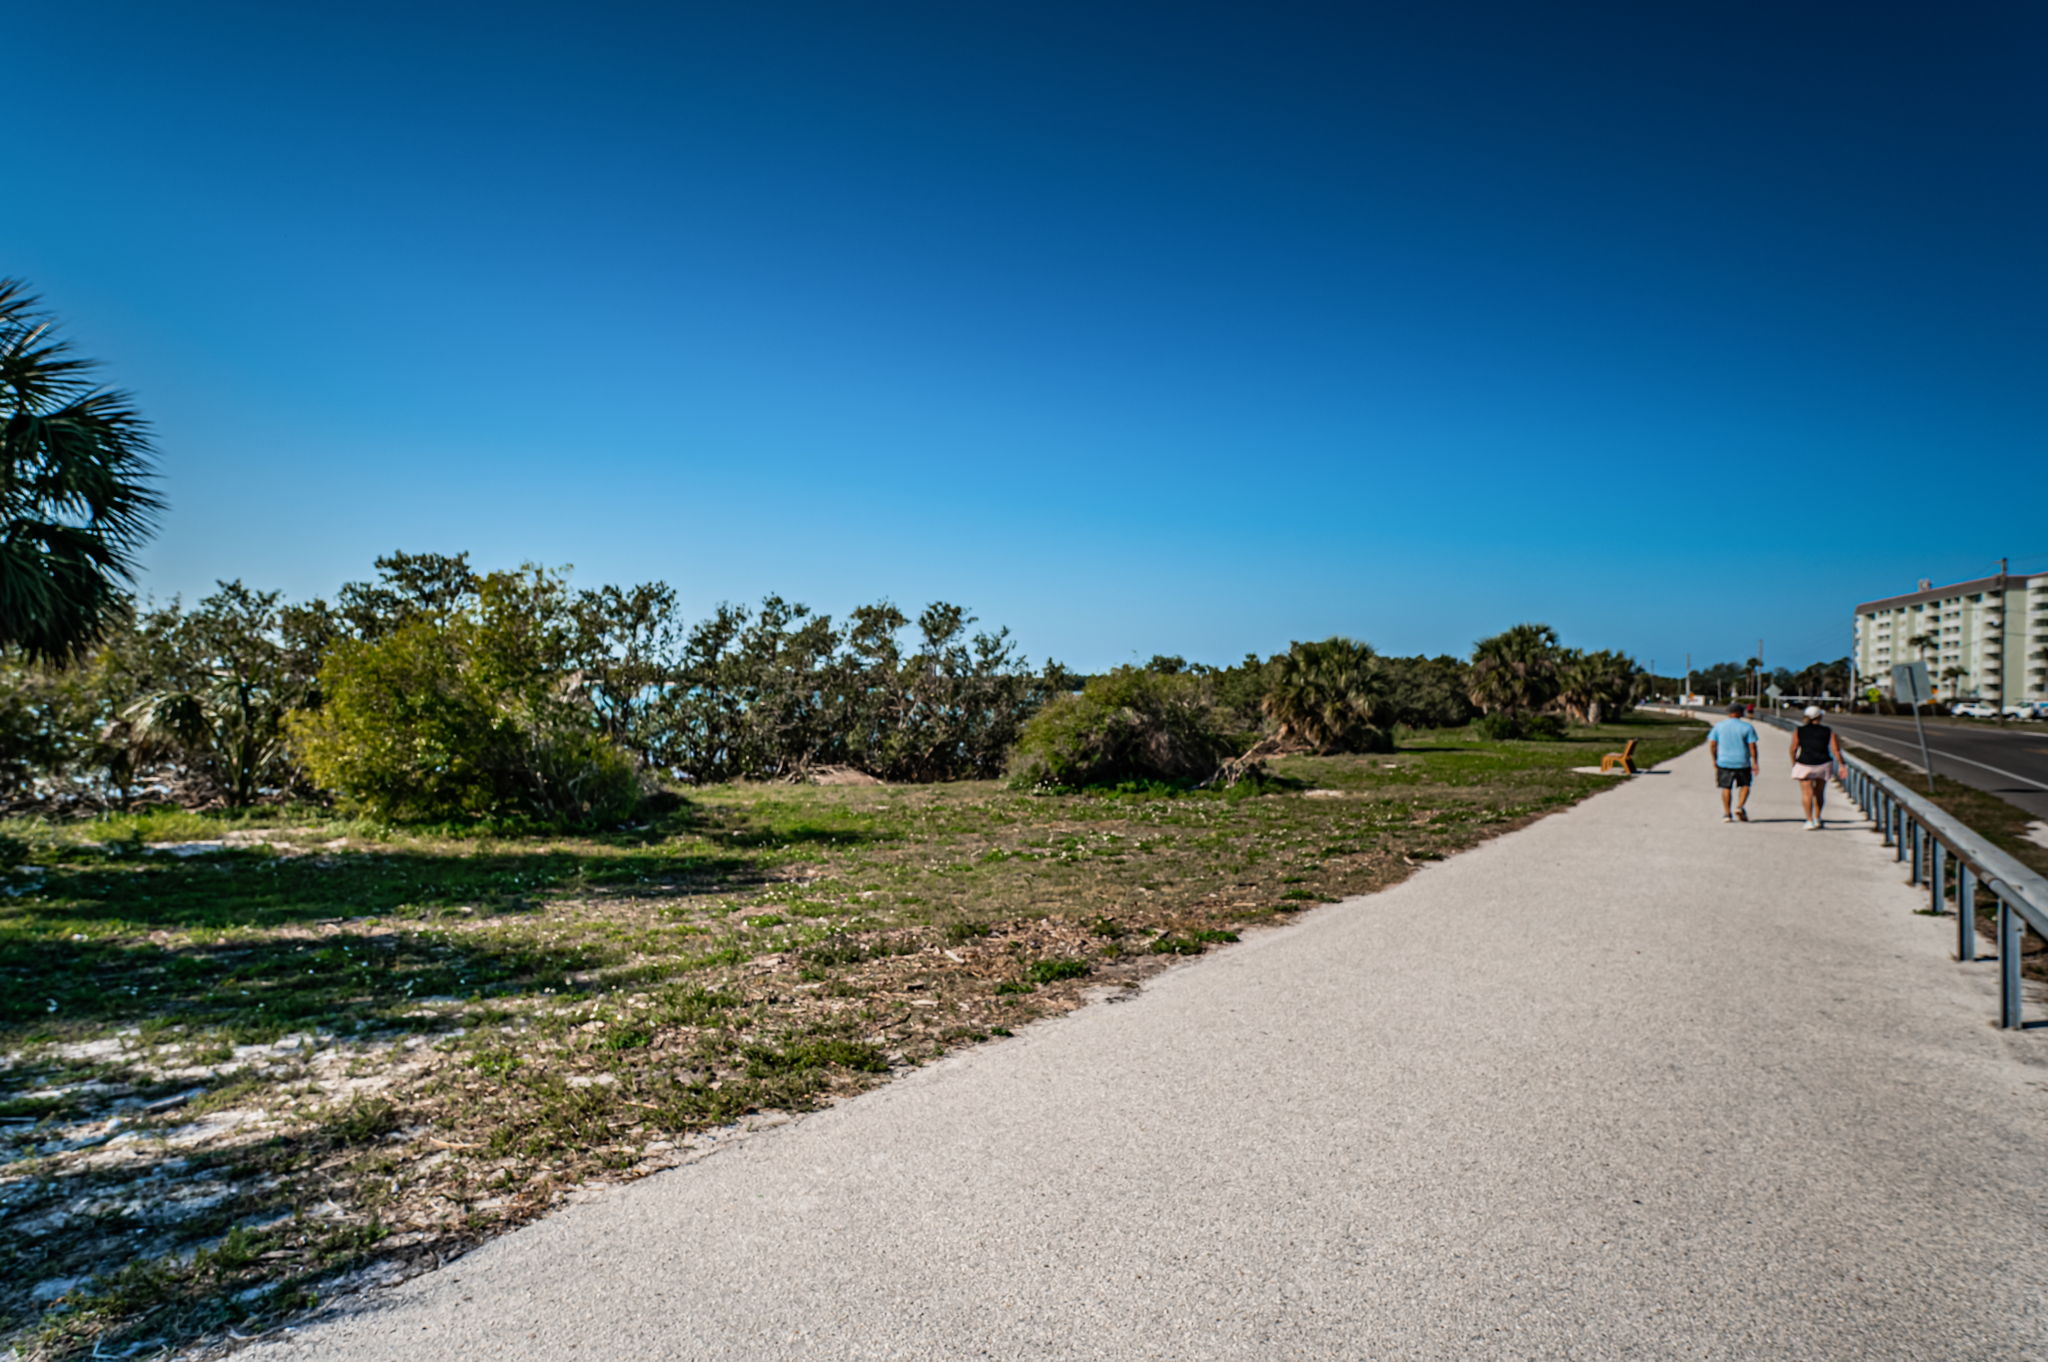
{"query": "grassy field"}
pixel 253 1060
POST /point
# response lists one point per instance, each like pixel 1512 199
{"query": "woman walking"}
pixel 1816 759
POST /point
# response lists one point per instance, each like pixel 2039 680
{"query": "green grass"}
pixel 376 1044
pixel 1052 971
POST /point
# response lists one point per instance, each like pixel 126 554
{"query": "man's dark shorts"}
pixel 1728 777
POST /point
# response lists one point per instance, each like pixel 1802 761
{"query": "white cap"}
pixel 1813 711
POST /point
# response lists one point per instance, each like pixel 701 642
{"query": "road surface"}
pixel 1628 1083
pixel 2010 761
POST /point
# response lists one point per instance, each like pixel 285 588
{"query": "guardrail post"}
pixel 1966 913
pixel 1943 847
pixel 2008 966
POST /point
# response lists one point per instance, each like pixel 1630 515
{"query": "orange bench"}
pixel 1625 759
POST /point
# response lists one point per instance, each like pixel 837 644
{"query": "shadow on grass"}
pixel 257 944
pixel 172 1243
pixel 255 990
pixel 258 889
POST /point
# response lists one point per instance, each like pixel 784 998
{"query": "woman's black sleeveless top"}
pixel 1813 744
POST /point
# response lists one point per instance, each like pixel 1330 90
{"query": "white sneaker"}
pixel 1811 825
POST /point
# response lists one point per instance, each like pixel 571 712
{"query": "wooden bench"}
pixel 1625 759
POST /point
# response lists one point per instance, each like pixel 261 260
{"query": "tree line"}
pixel 434 691
pixel 1749 678
pixel 1172 721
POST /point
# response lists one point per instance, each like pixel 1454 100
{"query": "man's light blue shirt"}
pixel 1732 739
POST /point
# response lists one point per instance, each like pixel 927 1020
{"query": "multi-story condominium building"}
pixel 1981 640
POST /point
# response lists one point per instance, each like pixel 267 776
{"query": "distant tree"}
pixel 776 691
pixel 49 722
pixel 1330 697
pixel 1427 692
pixel 1515 671
pixel 1592 685
pixel 220 711
pixel 407 585
pixel 75 494
pixel 1240 693
pixel 622 647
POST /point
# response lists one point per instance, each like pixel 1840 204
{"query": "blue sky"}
pixel 1138 328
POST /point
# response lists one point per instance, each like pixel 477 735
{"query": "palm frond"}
pixel 76 498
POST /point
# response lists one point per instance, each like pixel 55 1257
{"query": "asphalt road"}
pixel 2010 762
pixel 1629 1083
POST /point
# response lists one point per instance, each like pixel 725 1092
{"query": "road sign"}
pixel 1774 690
pixel 1909 684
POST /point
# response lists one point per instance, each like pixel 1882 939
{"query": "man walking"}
pixel 1735 761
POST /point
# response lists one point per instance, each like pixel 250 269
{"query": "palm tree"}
pixel 1515 671
pixel 1329 696
pixel 219 715
pixel 75 496
pixel 1592 683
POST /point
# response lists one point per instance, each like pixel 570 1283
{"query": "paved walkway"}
pixel 1628 1083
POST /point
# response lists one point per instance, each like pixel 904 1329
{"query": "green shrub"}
pixel 461 716
pixel 1508 725
pixel 1503 725
pixel 1051 971
pixel 1427 692
pixel 1129 725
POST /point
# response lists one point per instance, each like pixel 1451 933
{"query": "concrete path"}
pixel 1628 1083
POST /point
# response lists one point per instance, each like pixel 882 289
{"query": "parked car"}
pixel 2017 712
pixel 1975 709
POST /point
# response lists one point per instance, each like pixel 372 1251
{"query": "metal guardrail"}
pixel 1954 863
pixel 1944 854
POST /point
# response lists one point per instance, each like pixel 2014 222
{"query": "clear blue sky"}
pixel 1139 328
